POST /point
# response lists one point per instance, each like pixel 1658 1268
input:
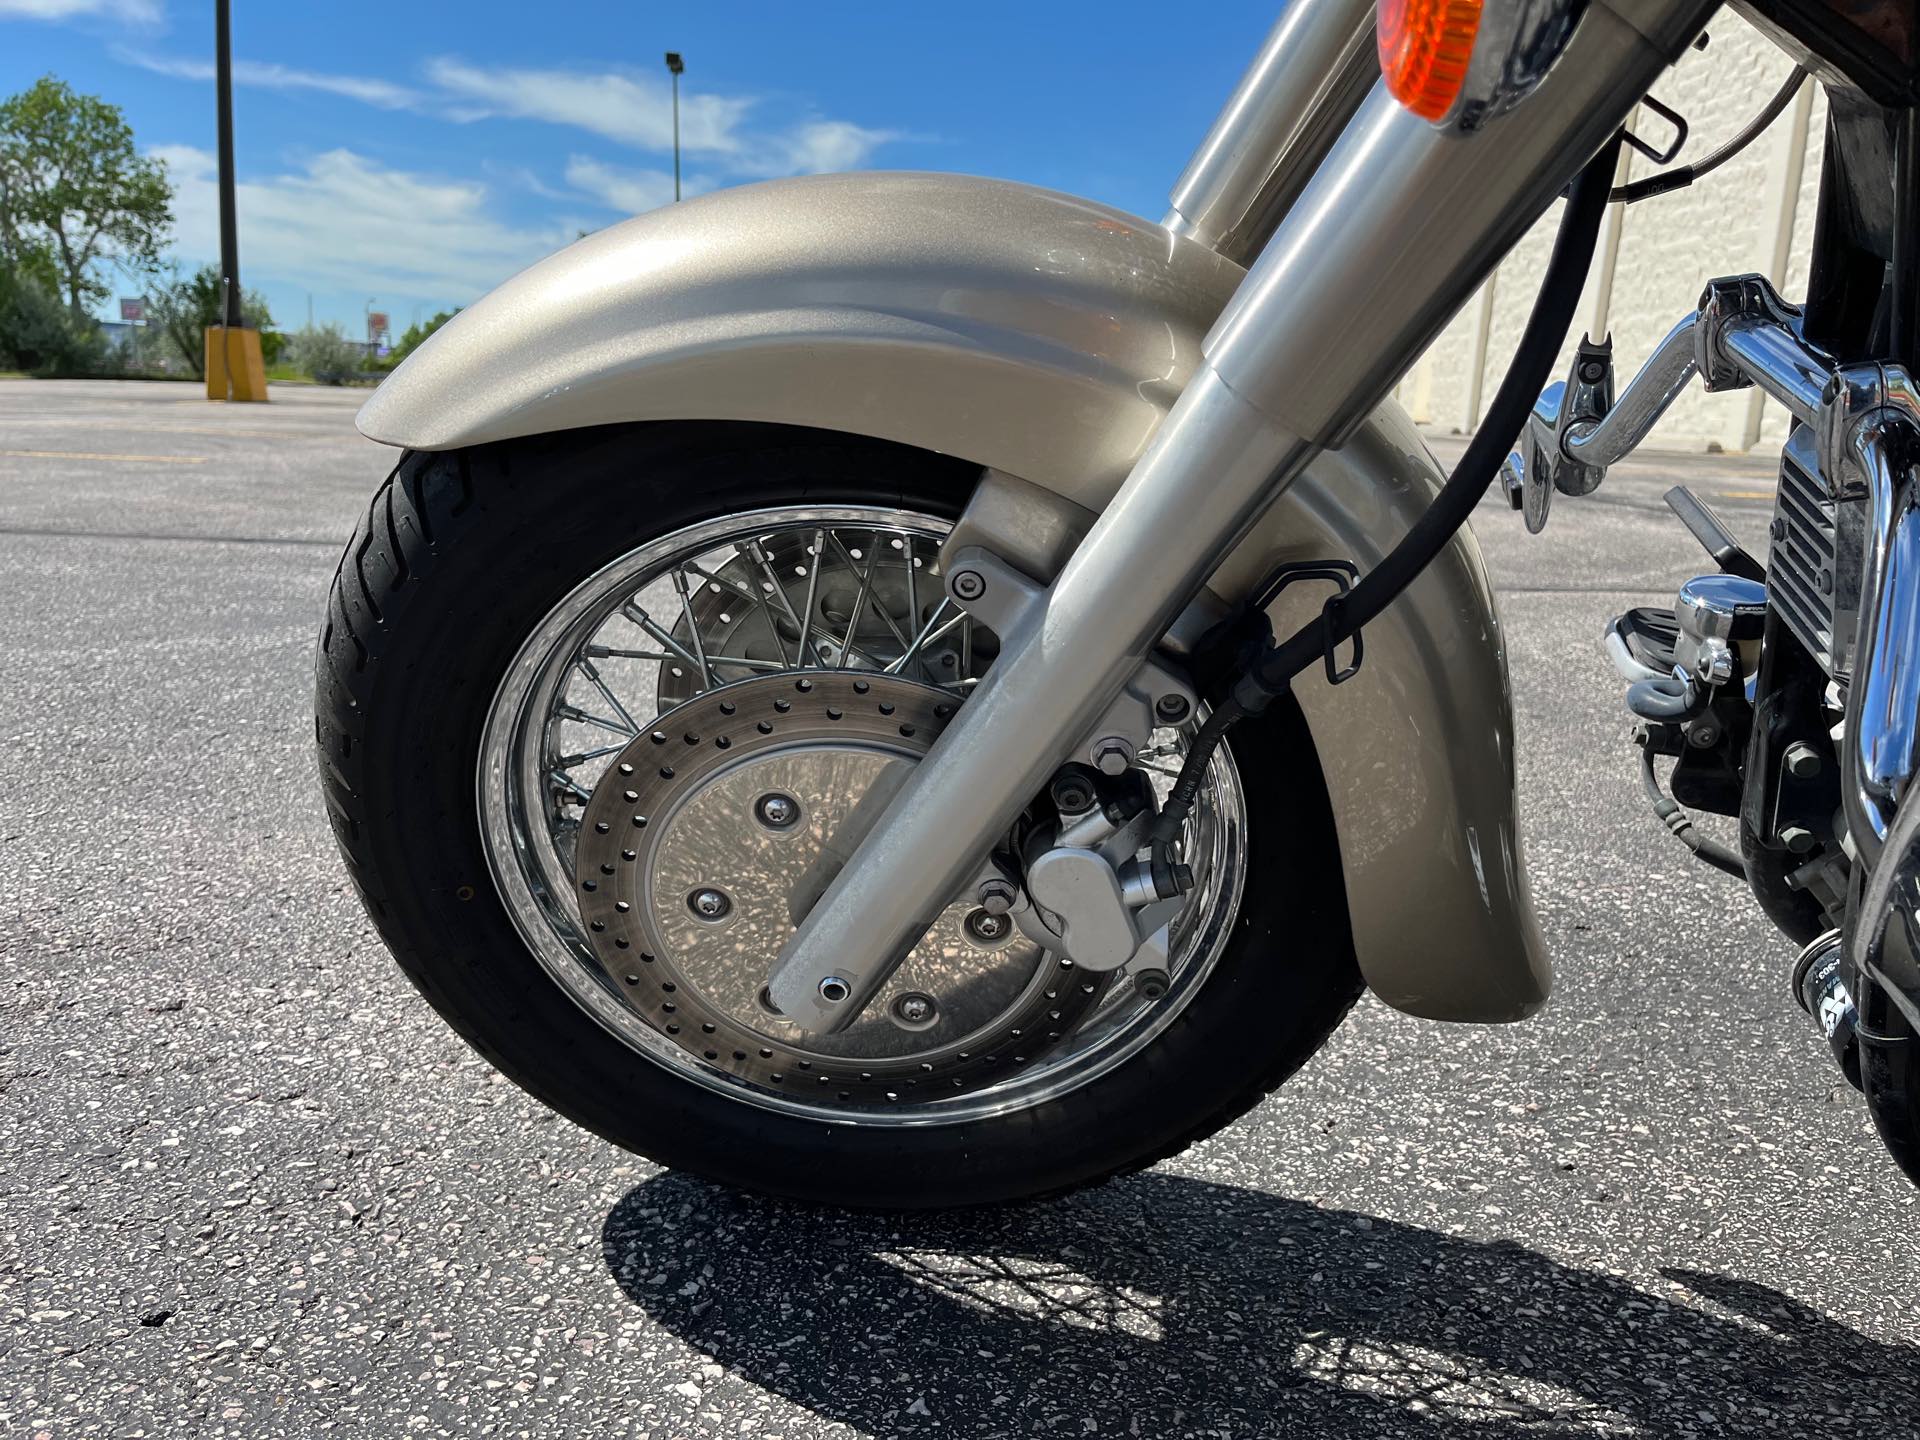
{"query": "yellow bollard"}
pixel 235 369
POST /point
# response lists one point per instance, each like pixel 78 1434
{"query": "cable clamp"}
pixel 1341 574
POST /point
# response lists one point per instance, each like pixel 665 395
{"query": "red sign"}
pixel 133 312
pixel 377 325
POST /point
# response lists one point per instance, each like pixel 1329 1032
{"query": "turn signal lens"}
pixel 1424 49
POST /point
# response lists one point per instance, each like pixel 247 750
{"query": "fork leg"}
pixel 1385 243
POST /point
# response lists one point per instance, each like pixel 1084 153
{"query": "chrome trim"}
pixel 1315 67
pixel 1742 334
pixel 1777 360
pixel 1631 670
pixel 1648 396
pixel 1516 46
pixel 1870 437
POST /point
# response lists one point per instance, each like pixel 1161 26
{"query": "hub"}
pixel 710 836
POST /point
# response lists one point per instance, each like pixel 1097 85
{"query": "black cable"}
pixel 1532 363
pixel 1680 823
pixel 1682 176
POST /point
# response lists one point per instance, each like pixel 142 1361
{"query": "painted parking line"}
pixel 99 455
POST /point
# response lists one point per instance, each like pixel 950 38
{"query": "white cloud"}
pixel 633 110
pixel 268 76
pixel 823 145
pixel 140 12
pixel 633 191
pixel 638 111
pixel 345 222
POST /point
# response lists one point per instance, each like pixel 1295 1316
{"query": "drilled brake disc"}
pixel 710 837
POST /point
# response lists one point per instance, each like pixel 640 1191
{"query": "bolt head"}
pixel 1112 756
pixel 1071 793
pixel 1171 707
pixel 777 811
pixel 1152 984
pixel 1797 838
pixel 996 897
pixel 915 1011
pixel 1803 761
pixel 988 927
pixel 709 904
pixel 967 584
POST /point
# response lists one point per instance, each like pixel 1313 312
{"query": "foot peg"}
pixel 1542 465
pixel 1673 660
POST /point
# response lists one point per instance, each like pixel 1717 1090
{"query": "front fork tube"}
pixel 1387 241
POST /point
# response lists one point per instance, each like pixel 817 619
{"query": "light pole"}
pixel 233 365
pixel 229 227
pixel 674 66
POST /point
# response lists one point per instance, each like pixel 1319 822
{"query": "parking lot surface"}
pixel 251 1185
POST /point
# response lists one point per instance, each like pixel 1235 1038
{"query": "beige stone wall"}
pixel 1753 214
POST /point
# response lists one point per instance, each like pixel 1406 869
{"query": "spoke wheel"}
pixel 666 767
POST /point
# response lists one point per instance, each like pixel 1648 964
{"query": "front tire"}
pixel 457 560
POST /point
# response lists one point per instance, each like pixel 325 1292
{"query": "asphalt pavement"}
pixel 251 1185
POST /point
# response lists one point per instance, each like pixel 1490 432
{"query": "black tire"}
pixel 459 556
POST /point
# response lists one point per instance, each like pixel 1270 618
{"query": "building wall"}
pixel 1755 213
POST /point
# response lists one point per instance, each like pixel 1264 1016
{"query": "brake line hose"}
pixel 1270 676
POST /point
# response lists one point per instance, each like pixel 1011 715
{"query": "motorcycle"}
pixel 908 690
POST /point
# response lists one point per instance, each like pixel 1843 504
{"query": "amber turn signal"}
pixel 1424 49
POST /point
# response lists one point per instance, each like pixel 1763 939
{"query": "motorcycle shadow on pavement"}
pixel 1162 1306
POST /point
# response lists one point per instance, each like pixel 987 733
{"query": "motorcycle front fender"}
pixel 1046 337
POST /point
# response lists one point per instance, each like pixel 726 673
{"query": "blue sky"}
pixel 416 152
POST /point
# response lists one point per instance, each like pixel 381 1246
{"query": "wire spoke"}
pixel 928 634
pixel 779 592
pixel 647 623
pixel 566 783
pixel 813 586
pixel 567 762
pixel 721 582
pixel 615 652
pixel 747 663
pixel 587 668
pixel 866 588
pixel 707 679
pixel 565 711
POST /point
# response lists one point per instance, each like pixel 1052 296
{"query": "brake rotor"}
pixel 709 838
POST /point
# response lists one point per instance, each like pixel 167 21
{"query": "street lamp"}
pixel 674 66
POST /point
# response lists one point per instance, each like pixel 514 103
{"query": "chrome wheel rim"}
pixel 678 626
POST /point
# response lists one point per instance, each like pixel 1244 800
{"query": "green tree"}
pixel 184 306
pixel 75 192
pixel 39 333
pixel 326 354
pixel 414 336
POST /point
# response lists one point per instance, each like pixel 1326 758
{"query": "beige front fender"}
pixel 1046 337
